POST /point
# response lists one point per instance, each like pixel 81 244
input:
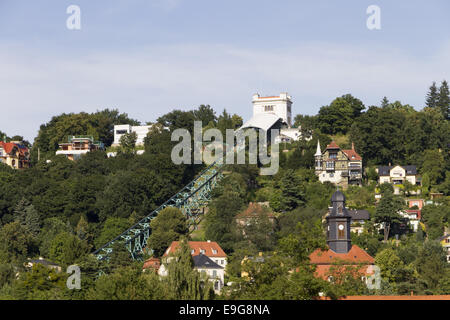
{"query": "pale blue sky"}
pixel 149 57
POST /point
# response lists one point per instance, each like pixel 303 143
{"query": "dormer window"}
pixel 214 251
pixel 192 251
pixel 202 251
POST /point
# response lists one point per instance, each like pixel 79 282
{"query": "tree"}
pixel 66 249
pixel 384 102
pixel 127 283
pixel 432 96
pixel 128 142
pixel 306 237
pixel 205 114
pixel 183 282
pixel 15 243
pixel 168 226
pixel 28 217
pixel 220 220
pixel 431 264
pixel 443 100
pixel 111 229
pixel 339 115
pixel 387 211
pixel 292 191
pixel 392 267
pixel 433 165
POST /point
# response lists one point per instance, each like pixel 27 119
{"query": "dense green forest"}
pixel 63 210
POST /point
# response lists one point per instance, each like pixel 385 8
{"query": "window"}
pixel 333 155
pixel 214 251
pixel 192 251
pixel 341 232
pixel 202 251
pixel 121 131
pixel 268 108
pixel 214 273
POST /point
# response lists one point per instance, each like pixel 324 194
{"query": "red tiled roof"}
pixel 352 153
pixel 253 210
pixel 323 270
pixel 208 247
pixel 7 146
pixel 333 145
pixel 356 255
pixel 154 263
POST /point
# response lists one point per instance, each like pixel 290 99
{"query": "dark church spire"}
pixel 338 229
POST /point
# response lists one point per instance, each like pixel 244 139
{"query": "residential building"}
pixel 14 154
pixel 212 260
pixel 152 264
pixel 338 166
pixel 79 145
pixel 258 259
pixel 419 203
pixel 121 129
pixel 413 217
pixel 358 220
pixel 254 211
pixel 398 174
pixel 445 242
pixel 44 262
pixel 212 270
pixel 341 252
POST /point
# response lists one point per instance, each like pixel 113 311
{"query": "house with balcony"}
pixel 14 154
pixel 78 146
pixel 338 166
pixel 397 175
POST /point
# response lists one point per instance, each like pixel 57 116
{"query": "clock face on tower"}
pixel 341 227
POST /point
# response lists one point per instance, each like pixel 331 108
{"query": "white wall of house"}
pixel 280 105
pixel 120 130
pixel 333 177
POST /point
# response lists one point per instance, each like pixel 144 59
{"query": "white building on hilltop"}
pixel 121 129
pixel 274 112
pixel 279 105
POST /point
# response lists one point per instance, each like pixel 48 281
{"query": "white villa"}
pixel 121 129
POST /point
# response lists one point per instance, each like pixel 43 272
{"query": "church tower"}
pixel 338 221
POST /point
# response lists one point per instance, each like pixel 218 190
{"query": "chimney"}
pixel 209 241
pixel 353 146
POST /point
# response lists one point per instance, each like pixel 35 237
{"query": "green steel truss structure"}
pixel 189 200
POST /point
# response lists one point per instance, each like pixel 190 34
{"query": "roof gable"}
pixel 356 255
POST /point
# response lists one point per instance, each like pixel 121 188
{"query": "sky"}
pixel 149 57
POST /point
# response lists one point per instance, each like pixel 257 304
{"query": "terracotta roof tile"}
pixel 254 209
pixel 356 255
pixel 352 155
pixel 333 145
pixel 210 249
